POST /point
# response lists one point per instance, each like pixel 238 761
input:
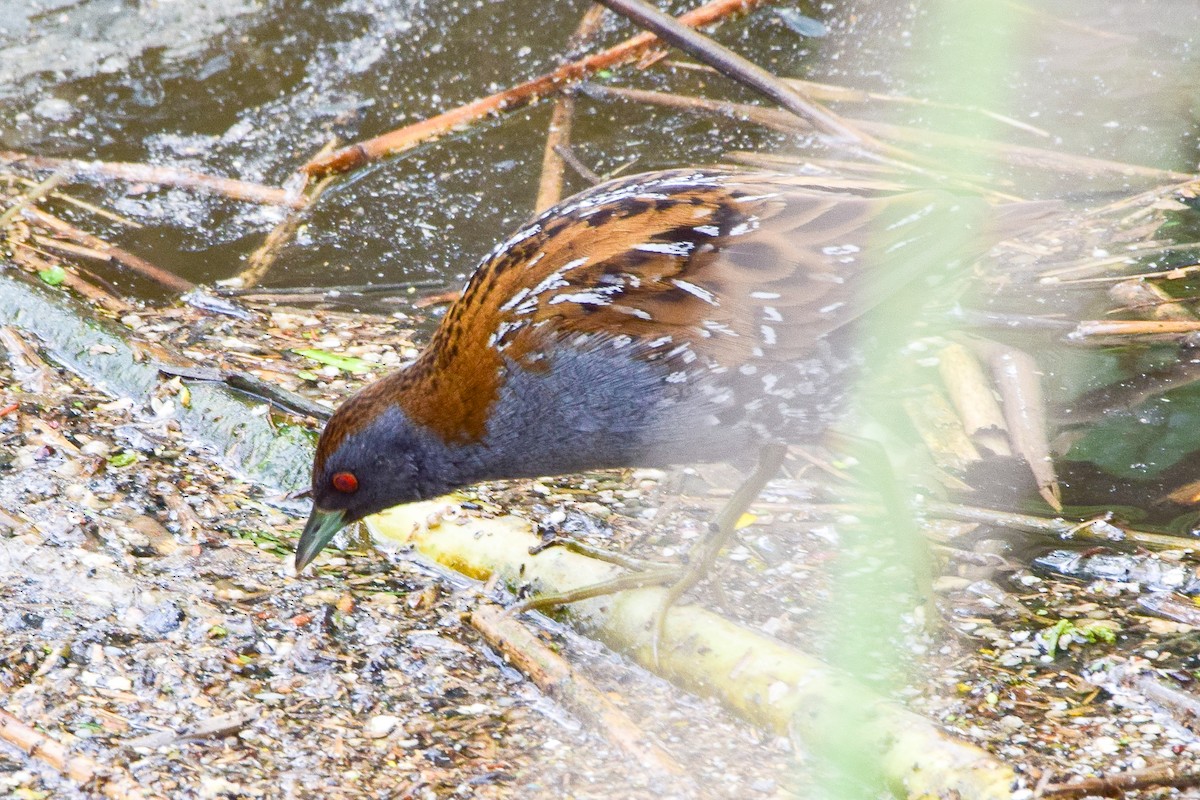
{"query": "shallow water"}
pixel 252 90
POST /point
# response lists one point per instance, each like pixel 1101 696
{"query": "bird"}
pixel 676 317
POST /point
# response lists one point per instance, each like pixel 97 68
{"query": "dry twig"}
pixel 1118 783
pixel 848 94
pixel 1013 154
pixel 161 176
pixel 582 170
pixel 559 135
pixel 113 782
pixel 262 259
pixel 1101 530
pixel 167 280
pixel 1093 328
pixel 36 262
pixel 34 194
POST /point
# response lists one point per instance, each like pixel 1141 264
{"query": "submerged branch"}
pixel 742 70
pixel 354 156
pixel 158 175
pixel 162 277
pixel 263 258
pixel 558 138
pixel 1023 156
pixel 36 262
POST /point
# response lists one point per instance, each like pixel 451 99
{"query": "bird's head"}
pixel 372 456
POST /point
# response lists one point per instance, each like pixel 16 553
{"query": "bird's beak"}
pixel 321 527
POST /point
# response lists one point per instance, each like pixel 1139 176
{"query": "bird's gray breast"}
pixel 601 406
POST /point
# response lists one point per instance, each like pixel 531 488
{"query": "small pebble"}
pixel 1011 722
pixel 948 583
pixel 96 447
pixel 162 619
pixel 380 725
pixel 119 683
pixel 54 108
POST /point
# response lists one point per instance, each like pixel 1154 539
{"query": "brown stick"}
pixel 771 118
pixel 396 141
pixel 1100 530
pixel 63 197
pixel 827 91
pixel 262 259
pixel 559 135
pixel 553 167
pixel 1132 327
pixel 1174 273
pixel 582 170
pixel 554 676
pixel 847 94
pixel 32 259
pixel 123 257
pixel 1016 154
pixel 777 120
pixel 742 70
pixel 113 781
pixel 161 176
pixel 1118 783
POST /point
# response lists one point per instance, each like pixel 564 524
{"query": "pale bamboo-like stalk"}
pixel 763 680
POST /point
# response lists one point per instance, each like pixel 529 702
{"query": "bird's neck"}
pixel 450 389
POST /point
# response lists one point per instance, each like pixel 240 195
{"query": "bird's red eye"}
pixel 345 482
